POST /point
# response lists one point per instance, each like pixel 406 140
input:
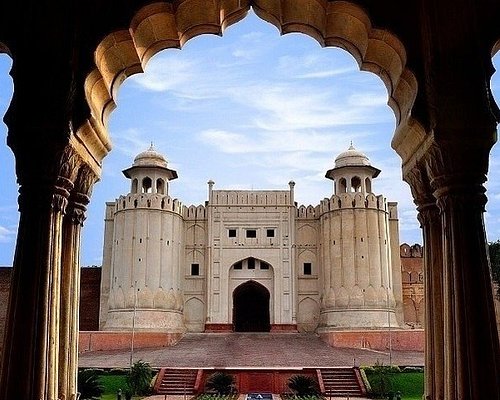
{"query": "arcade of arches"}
pixel 69 60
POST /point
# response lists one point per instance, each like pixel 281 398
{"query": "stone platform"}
pixel 249 350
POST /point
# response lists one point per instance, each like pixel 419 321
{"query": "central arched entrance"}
pixel 251 308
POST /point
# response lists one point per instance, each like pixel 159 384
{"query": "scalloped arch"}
pixel 342 24
pixel 494 50
pixel 4 49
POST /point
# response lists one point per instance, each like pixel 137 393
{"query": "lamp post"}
pixel 389 327
pixel 133 324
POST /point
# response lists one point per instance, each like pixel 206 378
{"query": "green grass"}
pixel 111 385
pixel 410 384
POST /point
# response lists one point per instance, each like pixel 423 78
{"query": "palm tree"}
pixel 139 378
pixel 89 385
pixel 303 385
pixel 221 383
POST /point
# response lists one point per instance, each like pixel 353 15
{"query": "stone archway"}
pixel 251 308
pixel 443 137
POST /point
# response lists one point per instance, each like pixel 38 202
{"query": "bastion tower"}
pixel 143 252
pixel 359 235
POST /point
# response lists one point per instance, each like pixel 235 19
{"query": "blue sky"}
pixel 249 110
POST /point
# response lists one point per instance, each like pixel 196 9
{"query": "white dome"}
pixel 150 158
pixel 352 158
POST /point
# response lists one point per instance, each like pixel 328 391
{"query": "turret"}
pixel 357 274
pixel 352 172
pixel 149 173
pixel 144 251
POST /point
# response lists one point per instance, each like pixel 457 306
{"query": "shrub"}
pixel 412 369
pixel 302 386
pixel 89 385
pixel 380 378
pixel 221 383
pixel 139 378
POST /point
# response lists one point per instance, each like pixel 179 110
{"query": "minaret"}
pixel 144 259
pixel 357 271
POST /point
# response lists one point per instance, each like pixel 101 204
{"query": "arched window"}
pixel 147 185
pixel 134 186
pixel 368 185
pixel 342 185
pixel 356 184
pixel 160 186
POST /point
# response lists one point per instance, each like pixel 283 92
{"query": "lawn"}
pixel 111 385
pixel 409 384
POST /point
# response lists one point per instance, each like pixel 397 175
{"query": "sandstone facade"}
pixel 251 260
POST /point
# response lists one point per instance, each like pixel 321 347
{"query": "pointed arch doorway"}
pixel 251 308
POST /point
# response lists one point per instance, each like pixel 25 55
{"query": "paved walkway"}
pixel 249 350
pixel 241 397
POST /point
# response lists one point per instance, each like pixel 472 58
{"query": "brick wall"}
pixel 412 276
pixel 90 286
pixel 89 302
pixel 5 276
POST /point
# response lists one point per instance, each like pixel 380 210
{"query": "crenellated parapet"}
pixel 194 213
pixel 353 200
pixel 309 212
pixel 156 201
pixel 251 198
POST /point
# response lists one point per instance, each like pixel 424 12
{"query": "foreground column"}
pixel 430 222
pixel 471 347
pixel 33 314
pixel 471 360
pixel 433 288
pixel 70 283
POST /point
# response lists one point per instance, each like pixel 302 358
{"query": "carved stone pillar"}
pixel 471 348
pixel 433 288
pixel 430 222
pixel 33 314
pixel 70 283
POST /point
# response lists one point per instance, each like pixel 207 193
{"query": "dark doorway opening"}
pixel 251 308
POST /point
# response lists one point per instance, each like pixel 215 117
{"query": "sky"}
pixel 248 110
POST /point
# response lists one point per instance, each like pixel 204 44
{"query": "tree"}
pixel 221 383
pixel 302 386
pixel 494 251
pixel 89 385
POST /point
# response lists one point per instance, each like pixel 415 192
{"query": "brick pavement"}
pixel 249 350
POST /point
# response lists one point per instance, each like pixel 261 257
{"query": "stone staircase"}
pixel 178 381
pixel 341 382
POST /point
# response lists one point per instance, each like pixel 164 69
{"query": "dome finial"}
pixel 151 147
pixel 351 147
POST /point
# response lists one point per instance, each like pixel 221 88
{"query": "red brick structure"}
pixel 412 271
pixel 5 278
pixel 90 286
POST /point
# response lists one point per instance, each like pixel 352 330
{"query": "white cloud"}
pixel 329 73
pixel 130 142
pixel 164 73
pixel 316 65
pixel 303 145
pixel 7 235
pixel 368 99
pixel 227 142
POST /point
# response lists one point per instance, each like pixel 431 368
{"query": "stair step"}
pixel 340 382
pixel 178 382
